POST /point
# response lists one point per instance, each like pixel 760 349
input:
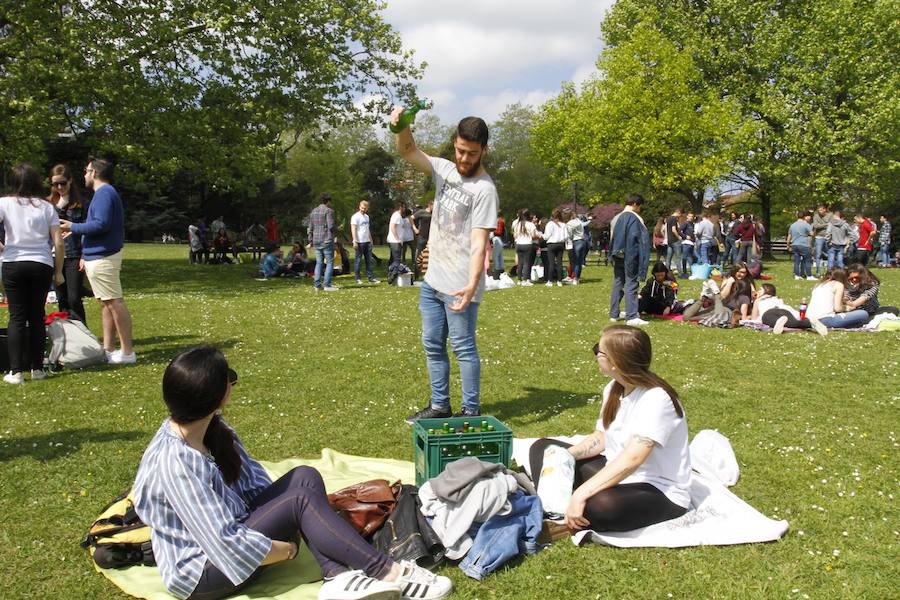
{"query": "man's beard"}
pixel 470 171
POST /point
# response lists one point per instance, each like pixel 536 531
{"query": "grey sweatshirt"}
pixel 838 232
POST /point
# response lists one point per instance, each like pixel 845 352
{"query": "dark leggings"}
pixel 554 260
pixel 773 314
pixel 68 295
pixel 622 507
pixel 523 252
pixel 297 503
pixel 26 284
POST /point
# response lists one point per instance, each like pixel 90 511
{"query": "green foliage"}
pixel 205 87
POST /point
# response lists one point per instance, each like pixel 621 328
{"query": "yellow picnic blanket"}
pixel 298 579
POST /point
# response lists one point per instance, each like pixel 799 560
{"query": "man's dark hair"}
pixel 103 169
pixel 802 214
pixel 25 182
pixel 634 200
pixel 473 129
pixel 325 198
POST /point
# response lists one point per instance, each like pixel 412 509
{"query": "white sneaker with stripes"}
pixel 355 585
pixel 417 583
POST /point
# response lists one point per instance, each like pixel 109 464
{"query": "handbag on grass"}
pixel 366 505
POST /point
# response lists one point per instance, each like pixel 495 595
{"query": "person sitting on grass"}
pixel 217 519
pixel 658 295
pixel 297 259
pixel 861 291
pixel 635 469
pixel 826 303
pixel 771 310
pixel 710 297
pixel 738 290
pixel 272 264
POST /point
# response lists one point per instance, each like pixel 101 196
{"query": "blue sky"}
pixel 484 55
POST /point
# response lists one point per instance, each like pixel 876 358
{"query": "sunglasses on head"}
pixel 232 377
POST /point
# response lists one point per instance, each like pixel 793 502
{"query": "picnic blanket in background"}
pixel 297 579
pixel 717 517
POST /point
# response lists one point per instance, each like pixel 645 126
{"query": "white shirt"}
pixel 650 414
pixel 362 227
pixel 396 223
pixel 765 303
pixel 821 302
pixel 27 222
pixel 525 237
pixel 554 233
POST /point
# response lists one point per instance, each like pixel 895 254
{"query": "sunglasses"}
pixel 232 377
pixel 596 350
pixel 60 183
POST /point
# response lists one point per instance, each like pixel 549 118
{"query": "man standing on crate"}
pixel 464 214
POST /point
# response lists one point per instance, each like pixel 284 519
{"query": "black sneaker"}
pixel 428 413
pixel 465 413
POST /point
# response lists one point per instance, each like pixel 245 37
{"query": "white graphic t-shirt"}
pixel 362 227
pixel 460 204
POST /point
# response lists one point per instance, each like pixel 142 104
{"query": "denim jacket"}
pixel 503 537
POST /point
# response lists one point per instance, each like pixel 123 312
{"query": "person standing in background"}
pixel 362 241
pixel 821 219
pixel 321 237
pixel 64 195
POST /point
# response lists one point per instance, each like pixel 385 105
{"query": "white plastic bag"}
pixel 557 479
pixel 506 282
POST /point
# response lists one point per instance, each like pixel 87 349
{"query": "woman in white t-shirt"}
pixel 826 303
pixel 31 225
pixel 635 469
pixel 524 233
pixel 555 236
pixel 395 233
pixel 771 310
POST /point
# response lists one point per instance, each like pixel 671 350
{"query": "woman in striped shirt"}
pixel 217 518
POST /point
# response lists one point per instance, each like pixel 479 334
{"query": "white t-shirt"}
pixel 554 232
pixel 769 302
pixel 649 413
pixel 460 205
pixel 524 238
pixel 362 227
pixel 396 222
pixel 821 302
pixel 27 222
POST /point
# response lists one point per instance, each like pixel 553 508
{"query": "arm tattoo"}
pixel 407 147
pixel 591 449
pixel 644 441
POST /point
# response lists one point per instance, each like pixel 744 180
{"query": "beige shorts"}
pixel 103 273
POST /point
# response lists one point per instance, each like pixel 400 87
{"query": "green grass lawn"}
pixel 813 422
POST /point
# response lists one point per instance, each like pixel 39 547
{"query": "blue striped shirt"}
pixel 194 515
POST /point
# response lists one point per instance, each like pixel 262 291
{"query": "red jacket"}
pixel 866 229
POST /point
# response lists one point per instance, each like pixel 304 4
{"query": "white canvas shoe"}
pixel 417 583
pixel 356 585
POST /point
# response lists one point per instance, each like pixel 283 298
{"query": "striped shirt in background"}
pixel 871 304
pixel 194 515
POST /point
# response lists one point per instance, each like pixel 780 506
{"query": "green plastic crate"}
pixel 435 451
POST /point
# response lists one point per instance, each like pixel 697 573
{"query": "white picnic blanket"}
pixel 717 517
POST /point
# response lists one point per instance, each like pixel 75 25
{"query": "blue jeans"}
pixel 439 323
pixel 581 249
pixel 885 253
pixel 363 250
pixel 835 256
pixel 503 537
pixel 819 254
pixel 324 255
pixel 802 256
pixel 674 250
pixel 729 250
pixel 625 284
pixel 687 258
pixel 703 252
pixel 846 320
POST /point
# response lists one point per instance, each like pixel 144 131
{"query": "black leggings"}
pixel 68 295
pixel 622 507
pixel 555 260
pixel 773 314
pixel 523 252
pixel 26 284
pixel 297 503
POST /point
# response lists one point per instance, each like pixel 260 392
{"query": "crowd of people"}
pixel 547 240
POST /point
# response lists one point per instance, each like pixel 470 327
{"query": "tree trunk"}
pixel 765 205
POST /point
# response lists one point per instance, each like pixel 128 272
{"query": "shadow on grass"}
pixel 58 444
pixel 165 354
pixel 537 404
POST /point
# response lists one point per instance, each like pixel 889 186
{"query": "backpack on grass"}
pixel 73 345
pixel 118 538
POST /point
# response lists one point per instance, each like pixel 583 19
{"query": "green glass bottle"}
pixel 409 115
pixel 446 427
pixel 484 426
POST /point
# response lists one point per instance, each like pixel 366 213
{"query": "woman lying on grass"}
pixel 217 518
pixel 634 470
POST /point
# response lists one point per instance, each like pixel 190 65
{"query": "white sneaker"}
pixel 14 378
pixel 358 281
pixel 819 326
pixel 811 278
pixel 354 585
pixel 38 374
pixel 615 319
pixel 111 356
pixel 527 283
pixel 559 284
pixel 568 280
pixel 637 322
pixel 574 282
pixel 123 359
pixel 796 277
pixel 331 288
pixel 420 584
pixel 373 280
pixel 549 284
pixel 779 325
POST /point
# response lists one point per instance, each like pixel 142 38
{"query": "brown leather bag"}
pixel 366 505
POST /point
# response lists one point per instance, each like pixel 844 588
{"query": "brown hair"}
pixel 74 194
pixel 628 349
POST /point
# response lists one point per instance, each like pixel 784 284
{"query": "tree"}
pixel 201 86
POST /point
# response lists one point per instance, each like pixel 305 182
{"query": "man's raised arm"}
pixel 406 145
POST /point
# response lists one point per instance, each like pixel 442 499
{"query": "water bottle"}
pixel 803 308
pixel 409 115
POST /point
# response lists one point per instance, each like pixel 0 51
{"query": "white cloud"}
pixel 489 107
